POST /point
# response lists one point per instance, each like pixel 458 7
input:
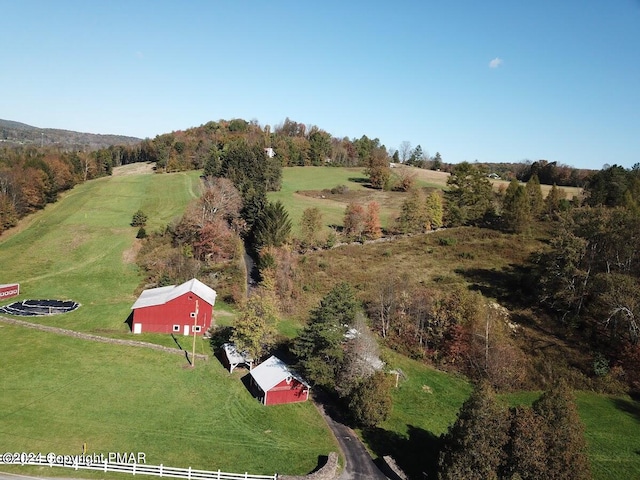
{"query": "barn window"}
pixel 197 328
pixel 176 328
pixel 192 314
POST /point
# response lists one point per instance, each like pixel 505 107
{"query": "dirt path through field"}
pixel 96 338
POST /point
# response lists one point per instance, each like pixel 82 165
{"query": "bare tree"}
pixel 220 198
pixel 405 151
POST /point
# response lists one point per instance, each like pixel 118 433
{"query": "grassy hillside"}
pixel 82 247
pixel 306 187
pixel 59 392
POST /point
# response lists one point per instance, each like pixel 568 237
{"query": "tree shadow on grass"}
pixel 512 286
pixel 628 406
pixel 361 180
pixel 416 454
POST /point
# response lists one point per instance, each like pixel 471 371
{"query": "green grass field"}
pixel 303 187
pixel 59 392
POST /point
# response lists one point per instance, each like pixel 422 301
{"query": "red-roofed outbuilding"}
pixel 273 383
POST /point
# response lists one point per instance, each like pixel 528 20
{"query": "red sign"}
pixel 10 290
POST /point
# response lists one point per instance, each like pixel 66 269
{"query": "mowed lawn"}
pixel 301 179
pixel 60 392
pixel 82 247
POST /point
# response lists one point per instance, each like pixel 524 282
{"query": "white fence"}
pixel 144 469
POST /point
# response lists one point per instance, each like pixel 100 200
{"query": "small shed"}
pixel 233 358
pixel 272 382
pixel 183 309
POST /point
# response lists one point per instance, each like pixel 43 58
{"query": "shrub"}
pixel 447 241
pixel 139 219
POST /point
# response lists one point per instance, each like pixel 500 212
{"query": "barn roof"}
pixel 271 372
pixel 162 295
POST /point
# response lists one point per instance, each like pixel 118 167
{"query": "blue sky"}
pixel 495 81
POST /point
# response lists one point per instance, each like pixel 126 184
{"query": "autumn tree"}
pixel 474 445
pixel 220 198
pixel 378 169
pixel 491 354
pixel 372 228
pixel 254 328
pixel 354 222
pixel 310 226
pixel 434 210
pixel 406 178
pixel 361 356
pixel 413 213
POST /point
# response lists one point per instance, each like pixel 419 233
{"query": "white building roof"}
pixel 235 357
pixel 271 372
pixel 162 295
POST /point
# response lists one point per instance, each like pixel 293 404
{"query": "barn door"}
pixel 186 329
pixel 137 328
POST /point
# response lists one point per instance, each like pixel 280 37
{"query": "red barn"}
pixel 273 383
pixel 182 309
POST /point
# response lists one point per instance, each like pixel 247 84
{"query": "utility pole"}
pixel 195 323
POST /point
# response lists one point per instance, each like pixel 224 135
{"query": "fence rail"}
pixel 144 469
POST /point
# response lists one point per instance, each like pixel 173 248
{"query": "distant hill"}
pixel 16 133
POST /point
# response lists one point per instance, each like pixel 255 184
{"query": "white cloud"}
pixel 496 62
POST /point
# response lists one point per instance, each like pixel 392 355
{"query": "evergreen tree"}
pixel 566 448
pixel 139 219
pixel 318 348
pixel 526 450
pixel 553 202
pixel 516 213
pixel 212 164
pixel 437 162
pixel 469 197
pixel 273 226
pixel 370 403
pixel 474 446
pixel 534 193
